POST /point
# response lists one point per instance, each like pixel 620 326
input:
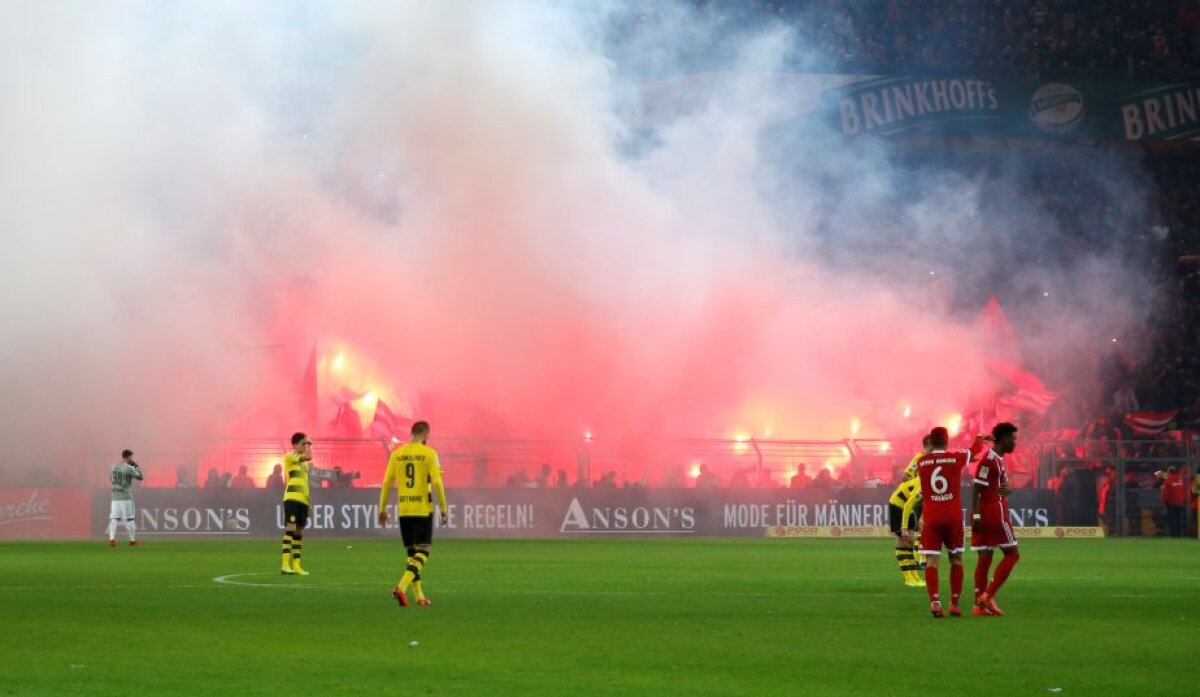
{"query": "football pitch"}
pixel 589 617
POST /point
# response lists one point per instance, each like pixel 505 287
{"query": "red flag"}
pixel 346 424
pixel 1036 402
pixel 346 394
pixel 385 423
pixel 1150 423
pixel 1031 394
pixel 1001 338
pixel 1060 434
pixel 308 391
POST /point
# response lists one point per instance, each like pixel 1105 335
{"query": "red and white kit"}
pixel 941 495
pixel 994 528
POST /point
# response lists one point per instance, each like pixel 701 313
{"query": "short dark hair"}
pixel 925 441
pixel 126 453
pixel 297 437
pixel 420 428
pixel 1003 430
pixel 939 437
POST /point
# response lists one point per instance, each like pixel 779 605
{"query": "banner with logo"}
pixel 214 513
pixel 1060 531
pixel 484 513
pixel 1114 110
pixel 45 514
pixel 967 104
pixel 829 531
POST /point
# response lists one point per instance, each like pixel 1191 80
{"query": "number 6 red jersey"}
pixel 941 485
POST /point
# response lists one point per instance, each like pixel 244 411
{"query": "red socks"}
pixel 931 582
pixel 956 581
pixel 1002 570
pixel 983 564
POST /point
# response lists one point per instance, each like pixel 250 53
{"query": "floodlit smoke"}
pixel 473 202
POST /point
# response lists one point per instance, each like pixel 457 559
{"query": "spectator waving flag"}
pixel 1031 394
pixel 1036 402
pixel 308 390
pixel 385 422
pixel 1150 423
pixel 346 423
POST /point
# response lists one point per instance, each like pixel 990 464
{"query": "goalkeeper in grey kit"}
pixel 122 475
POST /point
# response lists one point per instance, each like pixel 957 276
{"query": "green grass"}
pixel 589 617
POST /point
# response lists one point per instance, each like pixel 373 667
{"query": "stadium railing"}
pixel 1115 483
pixel 1109 483
pixel 493 462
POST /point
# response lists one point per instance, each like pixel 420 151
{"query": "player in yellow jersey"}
pixel 414 469
pixel 295 503
pixel 910 470
pixel 903 514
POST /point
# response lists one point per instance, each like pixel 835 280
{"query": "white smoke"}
pixel 469 195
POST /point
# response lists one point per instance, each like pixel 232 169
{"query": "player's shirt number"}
pixel 411 473
pixel 938 482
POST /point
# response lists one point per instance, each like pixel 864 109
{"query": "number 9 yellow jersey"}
pixel 417 475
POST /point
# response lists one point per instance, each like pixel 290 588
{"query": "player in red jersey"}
pixel 990 524
pixel 941 491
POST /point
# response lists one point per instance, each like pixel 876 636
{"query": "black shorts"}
pixel 295 512
pixel 416 529
pixel 896 515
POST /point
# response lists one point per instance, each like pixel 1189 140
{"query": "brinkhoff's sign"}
pixel 483 513
pixel 812 105
pixel 1168 112
pixel 899 104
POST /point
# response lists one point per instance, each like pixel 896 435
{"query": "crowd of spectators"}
pixel 1166 377
pixel 1112 39
pixel 1046 209
pixel 1172 377
pixel 1160 225
pixel 1134 38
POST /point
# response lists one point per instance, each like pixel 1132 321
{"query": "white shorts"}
pixel 121 510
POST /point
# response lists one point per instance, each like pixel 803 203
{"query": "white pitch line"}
pixel 106 587
pixel 493 589
pixel 227 580
pixel 484 588
pixel 470 588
